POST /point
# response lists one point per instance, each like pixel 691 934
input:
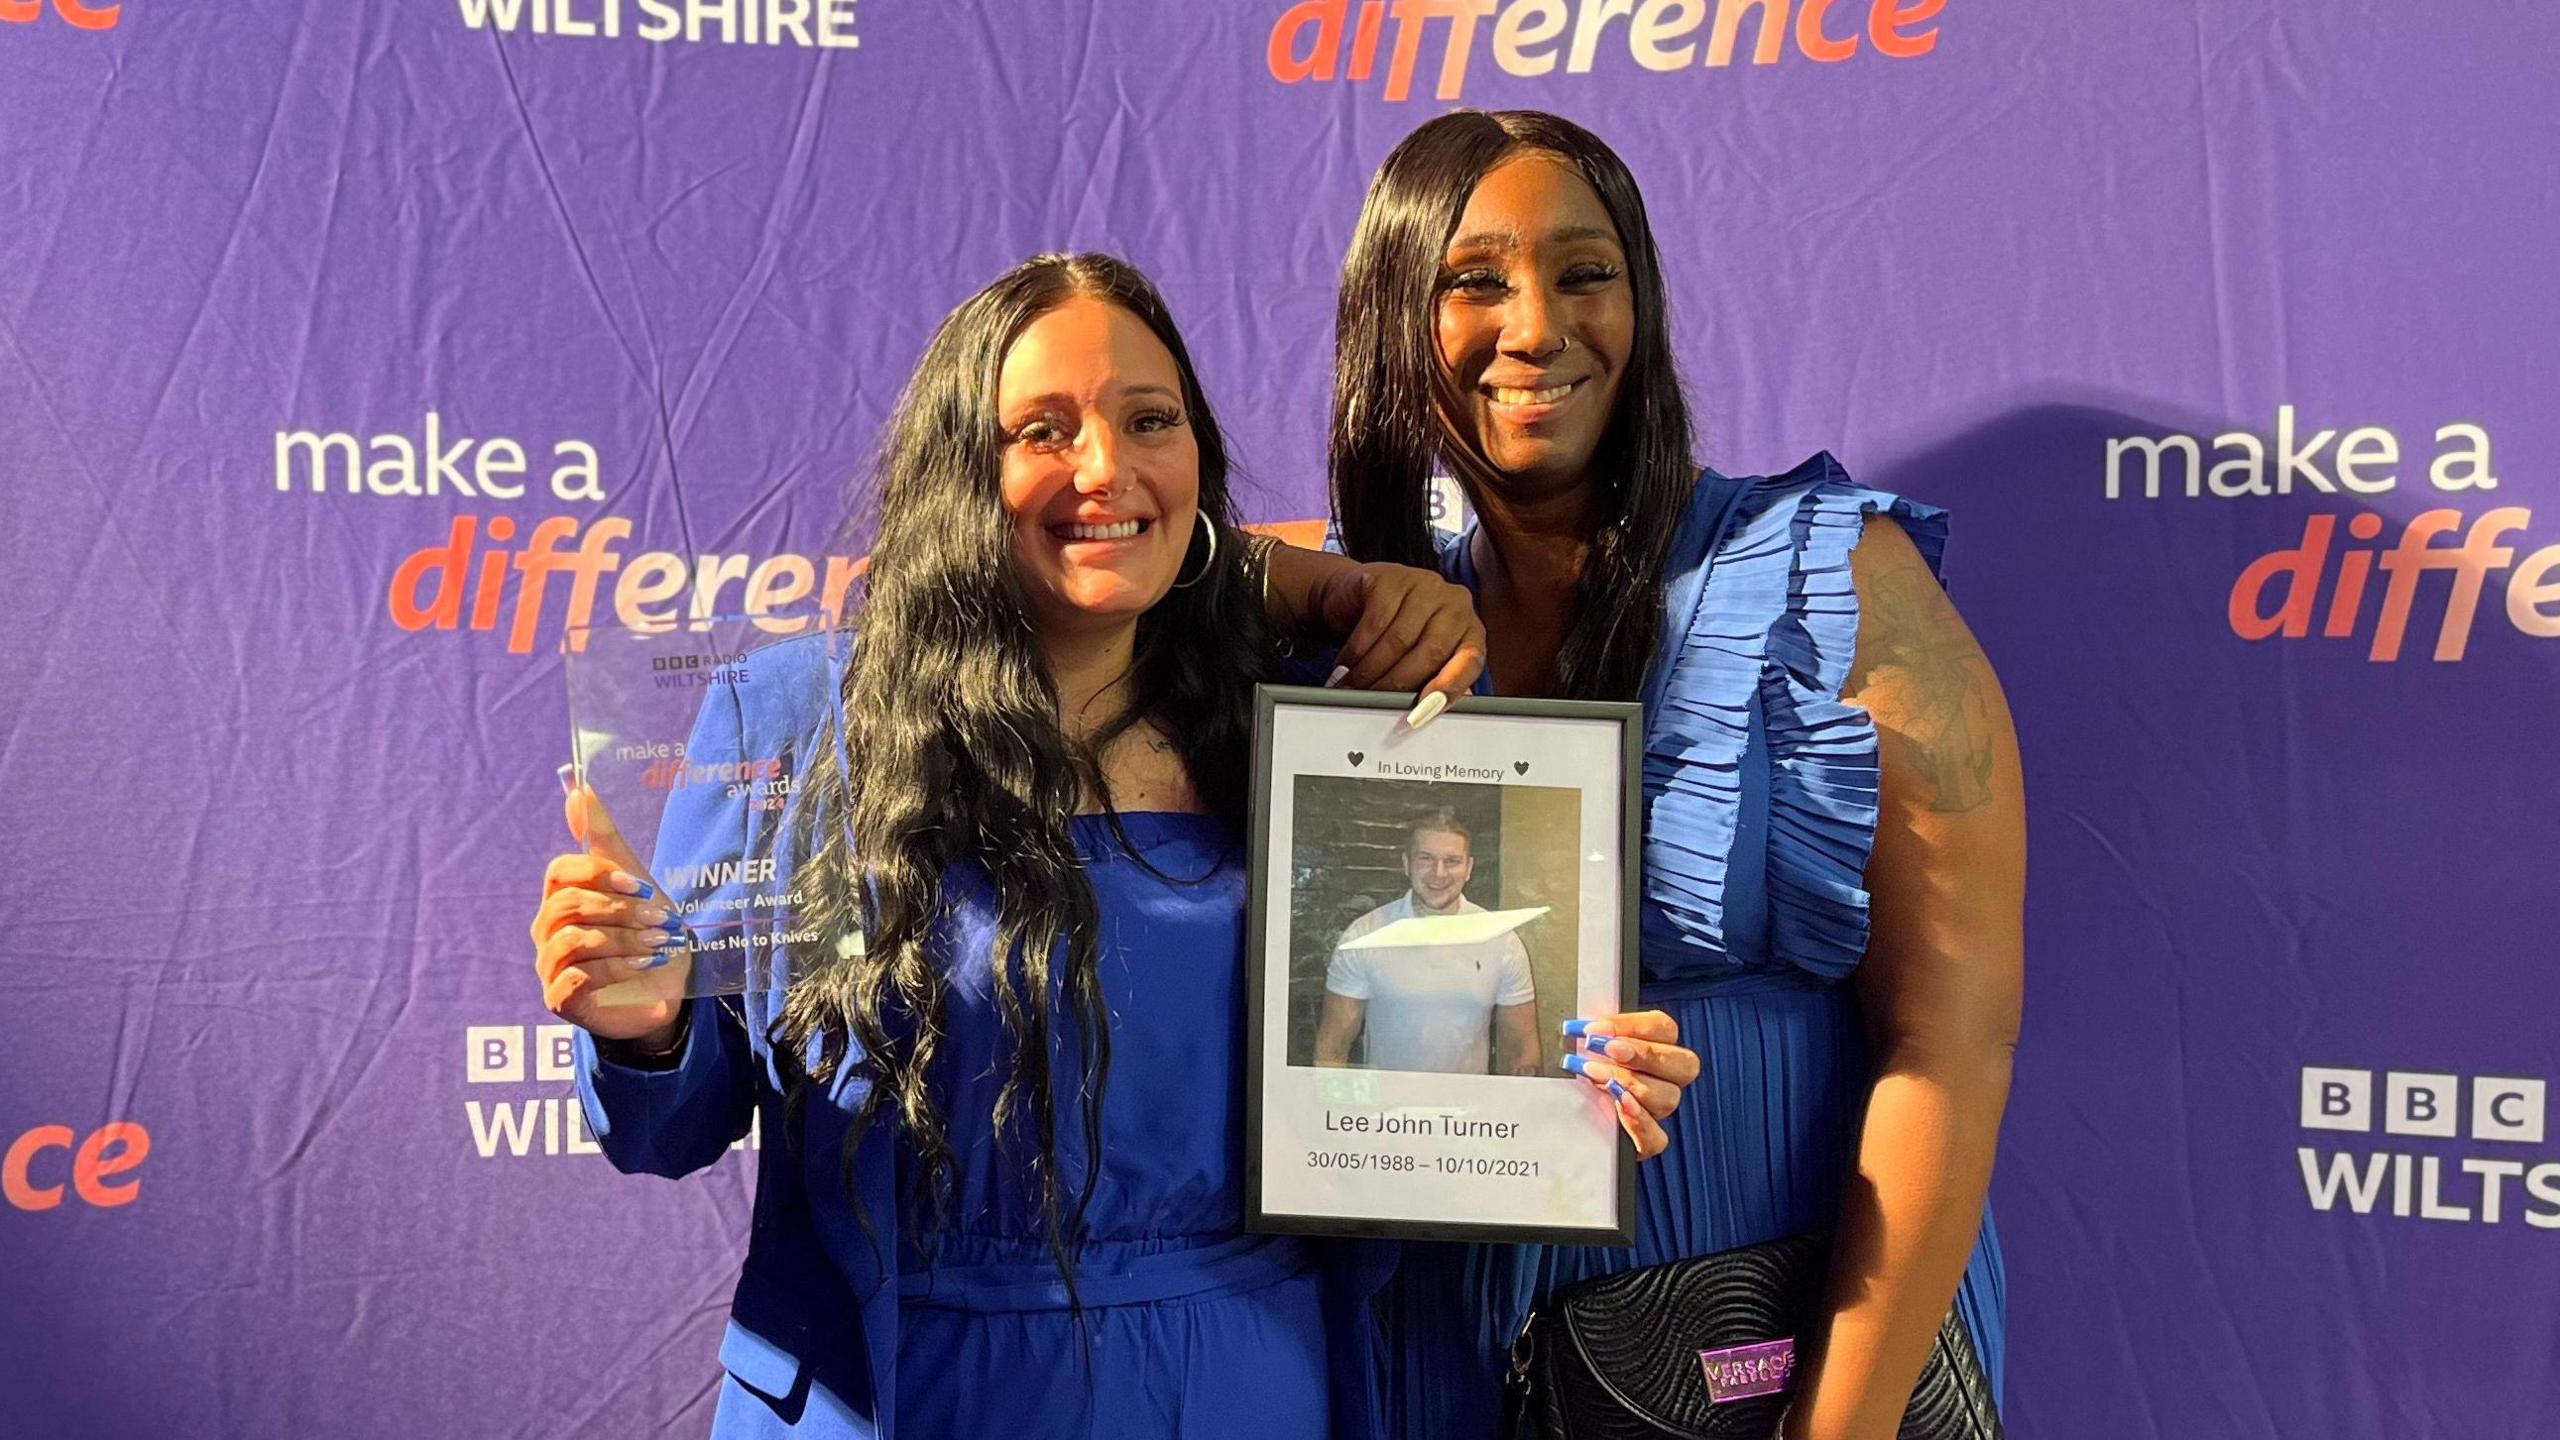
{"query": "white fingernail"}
pixel 569 778
pixel 1426 712
pixel 1340 672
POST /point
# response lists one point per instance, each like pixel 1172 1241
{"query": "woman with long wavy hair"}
pixel 1834 822
pixel 999 1191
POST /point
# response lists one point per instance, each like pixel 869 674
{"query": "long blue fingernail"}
pixel 650 962
pixel 672 923
pixel 1595 1042
pixel 1576 1027
pixel 668 938
pixel 1617 1091
pixel 1576 1063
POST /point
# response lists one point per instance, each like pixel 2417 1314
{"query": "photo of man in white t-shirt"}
pixel 1466 1009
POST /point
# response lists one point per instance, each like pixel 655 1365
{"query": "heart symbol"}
pixel 1521 766
pixel 1355 757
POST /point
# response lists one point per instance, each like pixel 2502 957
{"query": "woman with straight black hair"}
pixel 1834 823
pixel 999 1190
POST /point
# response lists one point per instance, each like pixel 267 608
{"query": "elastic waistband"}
pixel 1247 1262
pixel 1736 982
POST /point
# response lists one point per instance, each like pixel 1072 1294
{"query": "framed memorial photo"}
pixel 1428 908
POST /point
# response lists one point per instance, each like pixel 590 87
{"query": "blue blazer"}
pixel 812 1340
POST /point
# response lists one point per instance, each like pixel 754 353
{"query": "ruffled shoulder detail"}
pixel 1774 629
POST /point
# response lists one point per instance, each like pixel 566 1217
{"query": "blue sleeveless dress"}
pixel 840 1328
pixel 1760 793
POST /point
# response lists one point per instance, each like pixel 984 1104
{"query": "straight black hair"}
pixel 1390 427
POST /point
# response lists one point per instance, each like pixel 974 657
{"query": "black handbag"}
pixel 1705 1349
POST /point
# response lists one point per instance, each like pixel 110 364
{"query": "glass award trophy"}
pixel 695 741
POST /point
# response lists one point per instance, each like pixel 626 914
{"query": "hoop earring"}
pixel 1211 562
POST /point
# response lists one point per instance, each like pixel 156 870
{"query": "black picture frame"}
pixel 1628 717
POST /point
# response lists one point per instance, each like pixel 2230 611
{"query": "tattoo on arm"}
pixel 1919 666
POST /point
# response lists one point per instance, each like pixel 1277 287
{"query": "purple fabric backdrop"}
pixel 272 832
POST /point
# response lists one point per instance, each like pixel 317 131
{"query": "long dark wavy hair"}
pixel 952 750
pixel 1390 419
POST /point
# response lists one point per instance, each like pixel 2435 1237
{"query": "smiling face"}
pixel 1101 470
pixel 1535 320
pixel 1438 864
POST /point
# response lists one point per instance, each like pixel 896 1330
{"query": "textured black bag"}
pixel 1704 1349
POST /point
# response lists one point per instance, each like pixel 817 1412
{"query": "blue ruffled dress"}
pixel 1760 791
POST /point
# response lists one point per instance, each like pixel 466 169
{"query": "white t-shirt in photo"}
pixel 1430 1007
